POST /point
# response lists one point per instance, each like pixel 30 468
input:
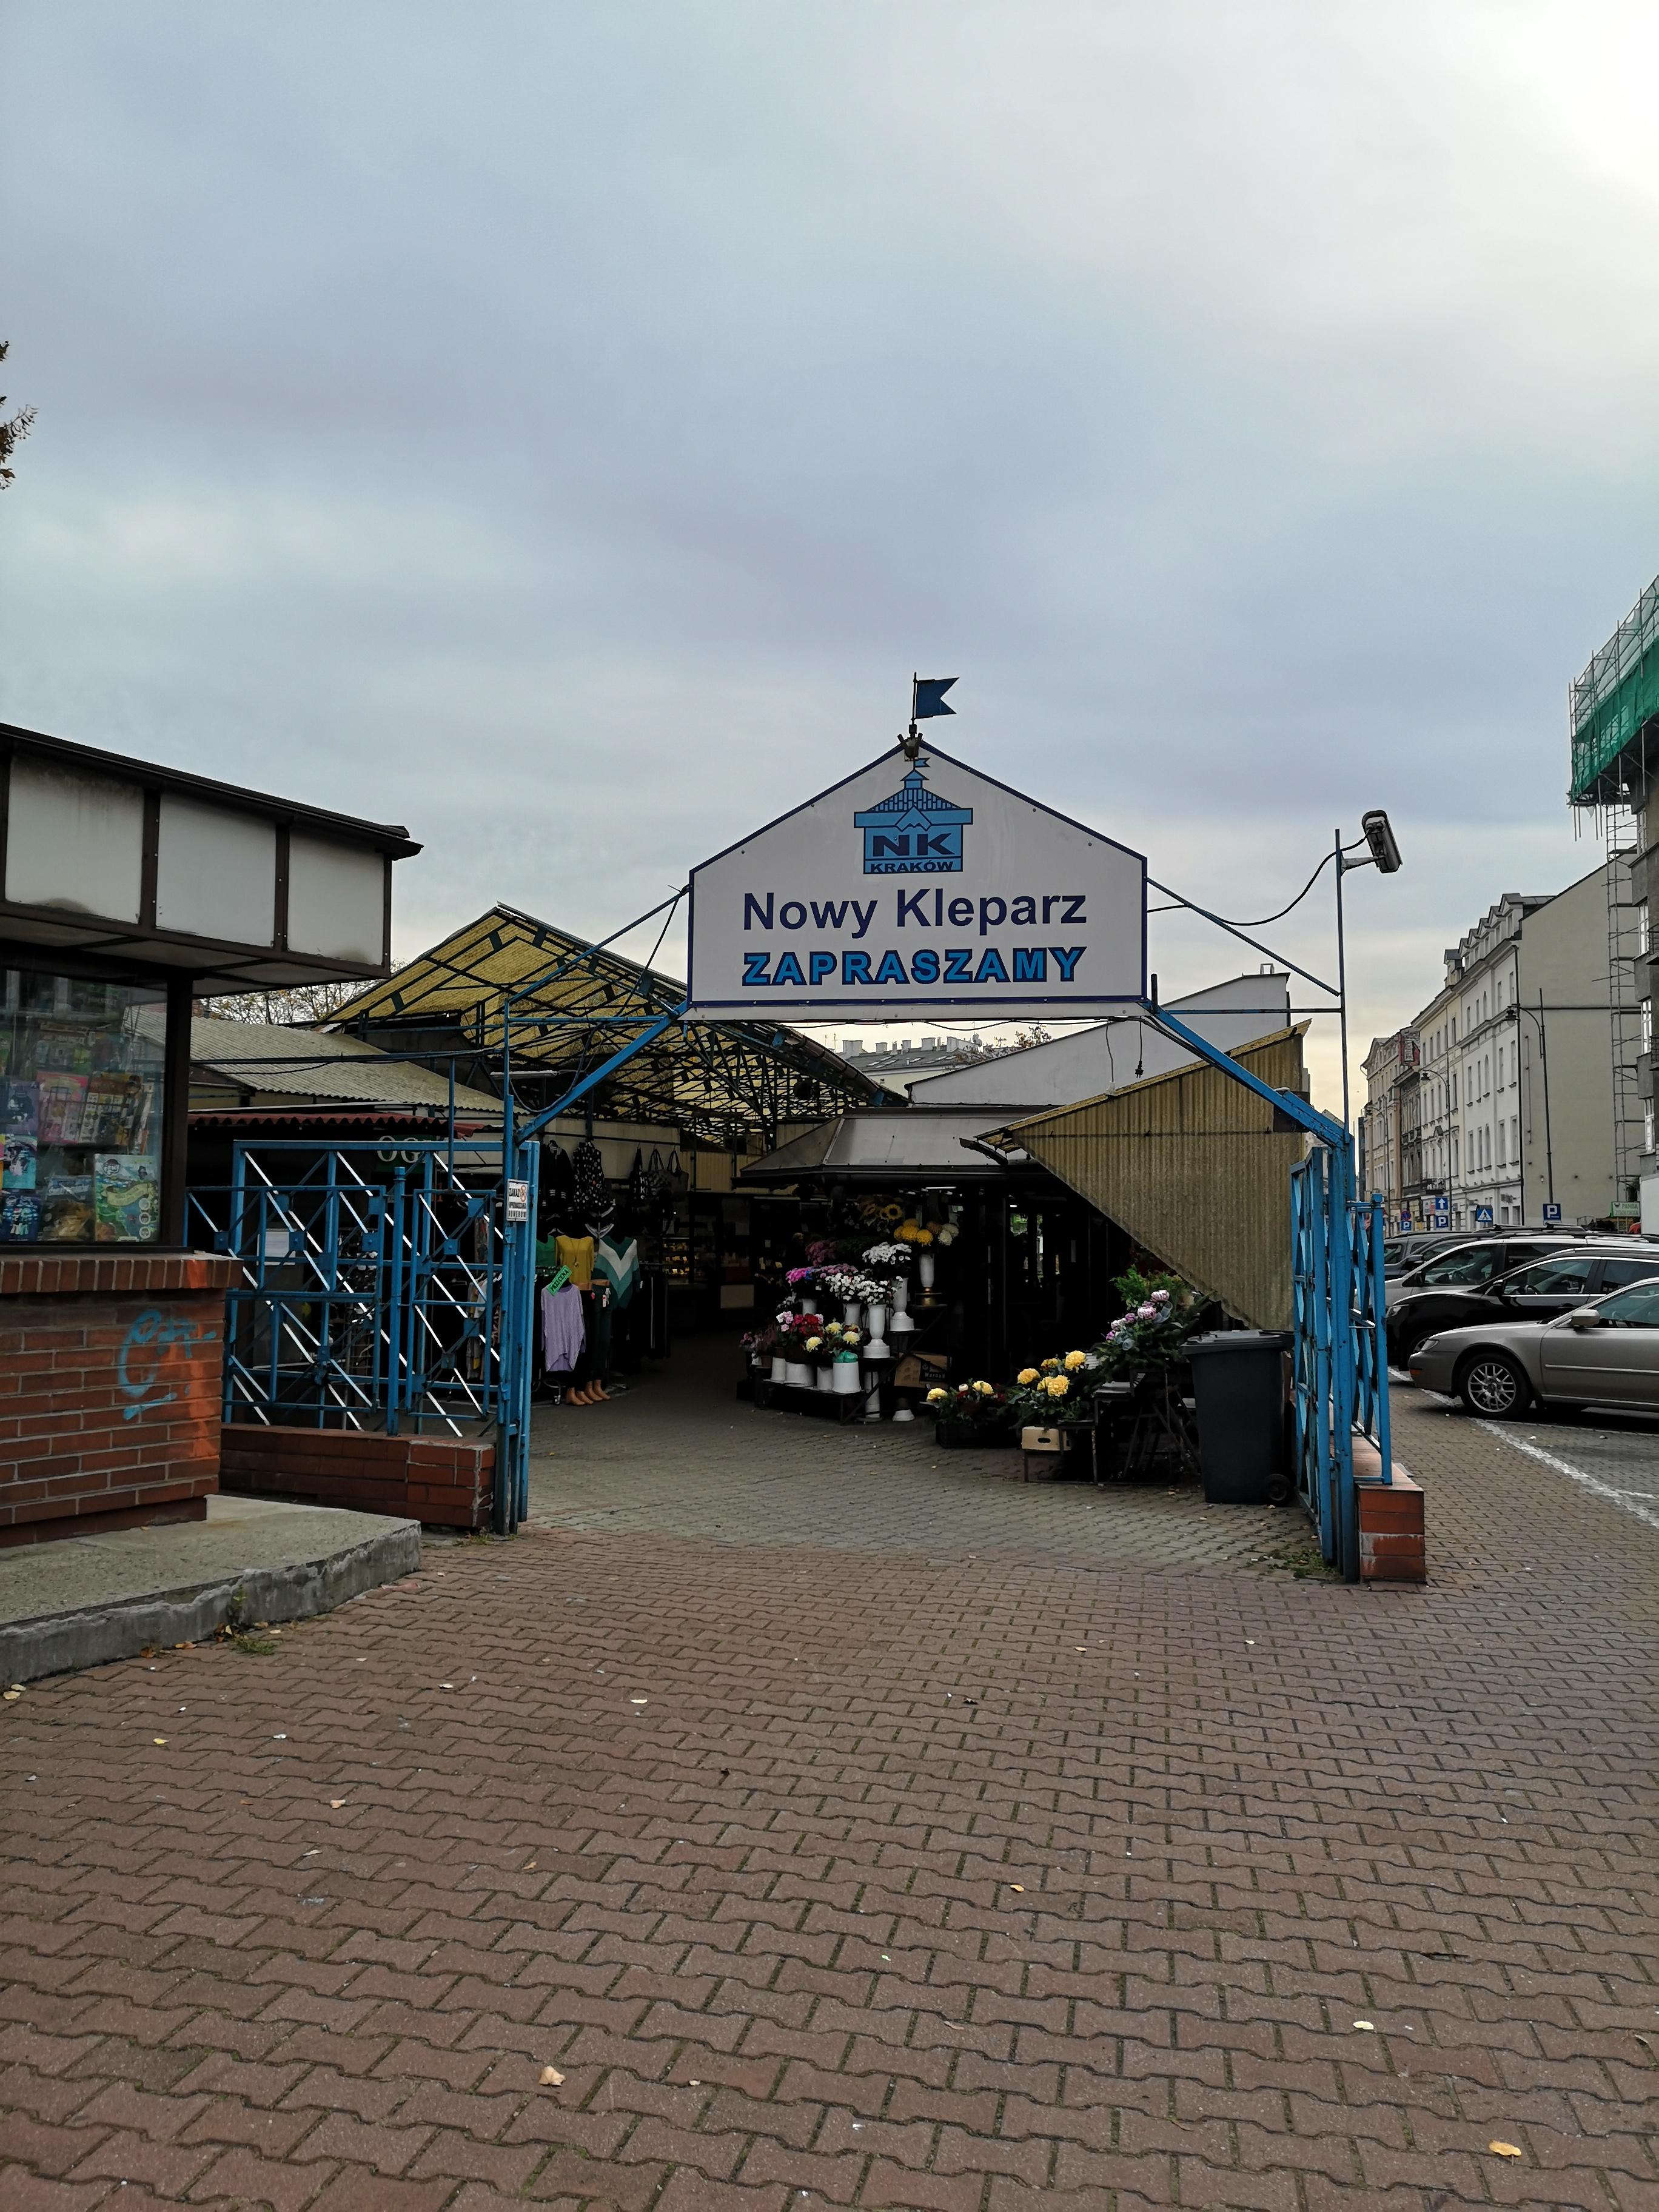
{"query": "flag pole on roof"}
pixel 926 700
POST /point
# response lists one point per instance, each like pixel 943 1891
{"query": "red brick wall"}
pixel 109 1389
pixel 445 1484
pixel 1393 1538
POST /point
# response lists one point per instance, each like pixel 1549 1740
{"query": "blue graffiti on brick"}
pixel 155 1339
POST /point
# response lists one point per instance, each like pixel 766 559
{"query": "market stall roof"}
pixel 891 1147
pixel 1193 1165
pixel 281 1065
pixel 574 1004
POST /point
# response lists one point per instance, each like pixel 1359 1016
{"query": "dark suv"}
pixel 1402 1253
pixel 1457 1290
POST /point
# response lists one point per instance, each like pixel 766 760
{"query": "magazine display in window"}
pixel 80 1110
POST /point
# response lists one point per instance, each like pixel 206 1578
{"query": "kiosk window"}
pixel 80 1072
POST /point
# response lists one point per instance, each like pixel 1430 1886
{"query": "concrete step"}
pixel 84 1599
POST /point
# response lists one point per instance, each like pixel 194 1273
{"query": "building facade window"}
pixel 80 1109
pixel 1647 1025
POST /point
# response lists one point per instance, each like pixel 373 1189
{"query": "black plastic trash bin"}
pixel 1239 1382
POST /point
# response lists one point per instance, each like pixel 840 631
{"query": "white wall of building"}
pixel 1089 1061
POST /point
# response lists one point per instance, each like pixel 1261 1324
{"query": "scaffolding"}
pixel 1613 712
pixel 1611 706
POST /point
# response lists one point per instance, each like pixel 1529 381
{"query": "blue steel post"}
pixel 394 1308
pixel 1343 1362
pixel 1324 1472
pixel 238 1194
pixel 1379 1338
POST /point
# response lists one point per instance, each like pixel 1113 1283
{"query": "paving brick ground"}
pixel 909 1873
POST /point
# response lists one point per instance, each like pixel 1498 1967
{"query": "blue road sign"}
pixel 1483 1217
pixel 1551 1210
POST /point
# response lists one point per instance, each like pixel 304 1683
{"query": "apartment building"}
pixel 1510 1112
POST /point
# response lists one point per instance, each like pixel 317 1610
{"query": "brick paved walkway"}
pixel 884 1875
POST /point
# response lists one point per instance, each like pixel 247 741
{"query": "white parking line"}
pixel 1593 1483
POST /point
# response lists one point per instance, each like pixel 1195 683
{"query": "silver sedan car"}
pixel 1606 1354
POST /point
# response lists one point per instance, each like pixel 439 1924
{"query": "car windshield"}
pixel 1545 1278
pixel 1471 1263
pixel 1637 1308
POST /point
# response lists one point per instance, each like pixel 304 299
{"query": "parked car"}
pixel 1480 1259
pixel 1401 1254
pixel 1464 1288
pixel 1604 1353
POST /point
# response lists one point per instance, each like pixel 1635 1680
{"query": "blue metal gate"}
pixel 1339 1357
pixel 383 1288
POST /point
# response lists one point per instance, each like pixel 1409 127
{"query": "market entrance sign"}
pixel 919 887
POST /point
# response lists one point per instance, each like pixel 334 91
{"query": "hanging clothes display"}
pixel 593 1204
pixel 576 1254
pixel 596 1315
pixel 558 1179
pixel 564 1330
pixel 617 1261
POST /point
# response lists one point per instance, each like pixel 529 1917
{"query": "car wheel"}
pixel 1493 1387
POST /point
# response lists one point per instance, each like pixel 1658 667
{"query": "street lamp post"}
pixel 1376 832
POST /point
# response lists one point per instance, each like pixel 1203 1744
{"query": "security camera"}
pixel 1379 835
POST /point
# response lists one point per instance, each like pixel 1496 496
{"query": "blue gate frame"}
pixel 380 1289
pixel 1340 1350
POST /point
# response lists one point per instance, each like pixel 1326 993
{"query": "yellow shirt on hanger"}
pixel 576 1253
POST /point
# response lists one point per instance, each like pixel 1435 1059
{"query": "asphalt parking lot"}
pixel 1614 1455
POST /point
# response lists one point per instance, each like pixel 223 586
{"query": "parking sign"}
pixel 1551 1210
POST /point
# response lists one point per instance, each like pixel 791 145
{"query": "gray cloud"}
pixel 563 429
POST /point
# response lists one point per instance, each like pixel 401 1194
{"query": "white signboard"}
pixel 912 889
pixel 517 1201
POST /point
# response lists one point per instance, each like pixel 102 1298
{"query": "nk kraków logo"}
pixel 914 833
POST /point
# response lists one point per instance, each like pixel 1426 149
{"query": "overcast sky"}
pixel 562 428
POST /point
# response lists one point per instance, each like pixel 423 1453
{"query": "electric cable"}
pixel 1179 903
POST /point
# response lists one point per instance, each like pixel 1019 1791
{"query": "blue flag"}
pixel 928 697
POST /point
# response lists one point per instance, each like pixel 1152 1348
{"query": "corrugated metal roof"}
pixel 1190 1164
pixel 576 1004
pixel 266 1057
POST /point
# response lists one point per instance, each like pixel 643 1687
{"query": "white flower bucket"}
pixel 876 1321
pixel 901 1296
pixel 780 1370
pixel 873 1403
pixel 809 1305
pixel 904 1413
pixel 901 1324
pixel 925 1269
pixel 798 1374
pixel 849 1312
pixel 824 1380
pixel 844 1378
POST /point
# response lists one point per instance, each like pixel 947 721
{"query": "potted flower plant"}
pixel 971 1414
pixel 1054 1394
pixel 797 1333
pixel 1161 1312
pixel 761 1344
